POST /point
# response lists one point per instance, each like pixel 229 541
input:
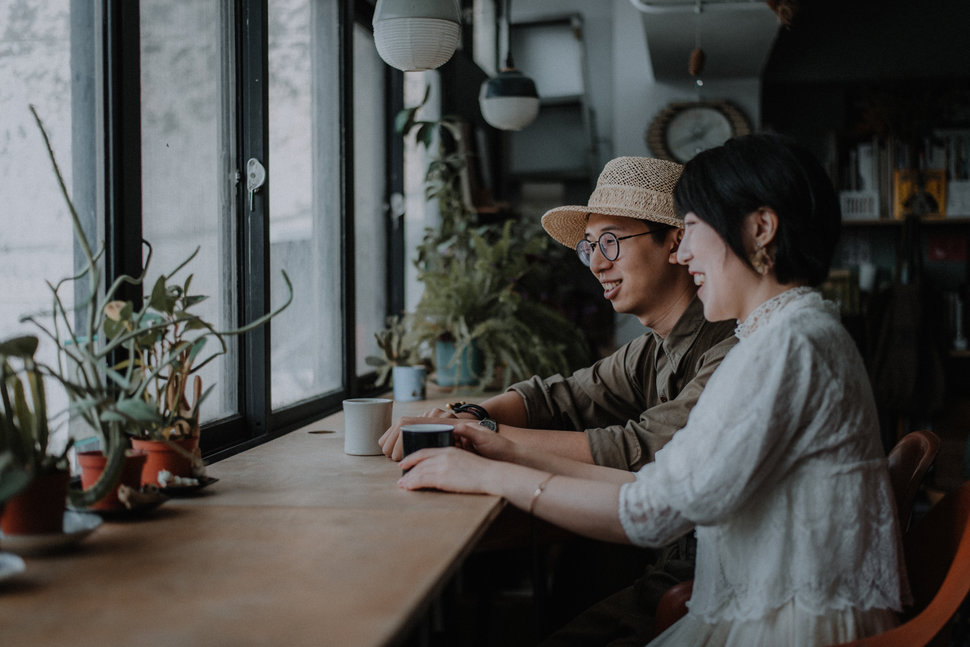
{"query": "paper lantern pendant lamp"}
pixel 416 35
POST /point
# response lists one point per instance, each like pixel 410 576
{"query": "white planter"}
pixel 409 383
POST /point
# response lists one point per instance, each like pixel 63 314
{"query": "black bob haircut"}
pixel 723 185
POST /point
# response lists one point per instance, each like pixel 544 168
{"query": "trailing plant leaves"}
pixel 13 477
pixel 22 346
pixel 475 295
pixel 425 133
pixel 24 428
pixel 161 299
pixel 132 410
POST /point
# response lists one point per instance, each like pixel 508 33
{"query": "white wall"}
pixel 625 95
pixel 637 97
pixel 597 30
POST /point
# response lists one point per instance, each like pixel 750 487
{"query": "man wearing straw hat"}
pixel 627 405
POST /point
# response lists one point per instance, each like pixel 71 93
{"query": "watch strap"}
pixel 476 410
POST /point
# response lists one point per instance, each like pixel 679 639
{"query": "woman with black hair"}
pixel 780 469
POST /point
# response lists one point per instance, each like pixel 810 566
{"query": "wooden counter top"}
pixel 296 544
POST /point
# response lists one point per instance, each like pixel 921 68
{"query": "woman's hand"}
pixel 391 443
pixel 450 469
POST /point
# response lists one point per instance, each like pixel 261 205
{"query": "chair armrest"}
pixel 672 606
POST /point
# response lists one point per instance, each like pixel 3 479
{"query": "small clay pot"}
pixel 92 465
pixel 162 456
pixel 39 508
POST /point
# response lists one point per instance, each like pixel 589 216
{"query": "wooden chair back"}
pixel 909 462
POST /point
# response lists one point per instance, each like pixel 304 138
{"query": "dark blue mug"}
pixel 424 435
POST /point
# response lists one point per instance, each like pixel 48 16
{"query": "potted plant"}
pixel 400 360
pixel 162 342
pixel 141 395
pixel 165 346
pixel 479 309
pixel 38 506
pixel 479 302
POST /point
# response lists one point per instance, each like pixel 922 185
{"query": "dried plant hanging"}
pixel 695 64
pixel 785 10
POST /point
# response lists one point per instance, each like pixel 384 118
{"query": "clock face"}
pixel 682 130
pixel 693 130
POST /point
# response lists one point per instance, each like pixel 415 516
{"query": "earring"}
pixel 760 260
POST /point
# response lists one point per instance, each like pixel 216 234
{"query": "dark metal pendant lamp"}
pixel 509 100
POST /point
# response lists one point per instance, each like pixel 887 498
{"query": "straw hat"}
pixel 632 187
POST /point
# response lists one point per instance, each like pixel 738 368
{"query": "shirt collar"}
pixel 681 337
pixel 764 312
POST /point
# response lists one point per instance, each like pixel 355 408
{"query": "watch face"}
pixel 693 130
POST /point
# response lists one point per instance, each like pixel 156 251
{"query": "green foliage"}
pixel 13 476
pixel 164 343
pixel 483 283
pixel 23 420
pixel 24 430
pixel 479 298
pixel 445 183
pixel 161 342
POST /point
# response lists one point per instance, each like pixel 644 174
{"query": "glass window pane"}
pixel 304 199
pixel 46 59
pixel 186 166
pixel 370 231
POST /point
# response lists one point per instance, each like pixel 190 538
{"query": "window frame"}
pixel 256 421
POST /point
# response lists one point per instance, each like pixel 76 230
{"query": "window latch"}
pixel 255 178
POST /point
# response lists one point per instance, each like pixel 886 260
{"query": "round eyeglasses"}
pixel 609 244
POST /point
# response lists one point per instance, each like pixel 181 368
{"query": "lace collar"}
pixel 764 312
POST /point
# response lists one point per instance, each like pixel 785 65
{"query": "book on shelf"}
pixel 919 193
pixel 957 155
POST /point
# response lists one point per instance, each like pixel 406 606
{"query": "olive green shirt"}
pixel 631 403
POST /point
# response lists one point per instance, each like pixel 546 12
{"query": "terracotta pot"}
pixel 161 456
pixel 92 465
pixel 38 509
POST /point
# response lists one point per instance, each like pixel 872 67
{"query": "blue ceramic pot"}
pixel 461 371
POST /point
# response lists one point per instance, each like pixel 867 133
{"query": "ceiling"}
pixel 736 36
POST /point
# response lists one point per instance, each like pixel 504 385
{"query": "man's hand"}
pixel 391 443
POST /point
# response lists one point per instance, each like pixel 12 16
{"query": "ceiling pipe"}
pixel 688 7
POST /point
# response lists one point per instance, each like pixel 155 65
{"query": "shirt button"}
pixel 663 397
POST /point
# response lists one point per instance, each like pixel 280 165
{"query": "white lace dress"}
pixel 781 471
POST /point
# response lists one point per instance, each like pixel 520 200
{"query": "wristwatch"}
pixel 476 410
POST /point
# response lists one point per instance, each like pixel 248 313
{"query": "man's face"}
pixel 639 281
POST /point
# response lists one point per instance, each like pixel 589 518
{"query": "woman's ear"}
pixel 675 239
pixel 763 226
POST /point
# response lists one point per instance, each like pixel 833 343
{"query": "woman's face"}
pixel 724 281
pixel 639 280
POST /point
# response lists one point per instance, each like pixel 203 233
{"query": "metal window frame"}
pixel 256 421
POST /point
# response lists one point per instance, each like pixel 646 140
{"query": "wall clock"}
pixel 683 129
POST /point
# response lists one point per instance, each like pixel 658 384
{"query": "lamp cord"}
pixel 509 65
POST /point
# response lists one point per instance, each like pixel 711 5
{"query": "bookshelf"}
pixel 884 176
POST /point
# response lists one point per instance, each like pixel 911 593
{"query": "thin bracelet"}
pixel 539 490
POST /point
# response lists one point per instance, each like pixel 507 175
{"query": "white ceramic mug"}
pixel 365 421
